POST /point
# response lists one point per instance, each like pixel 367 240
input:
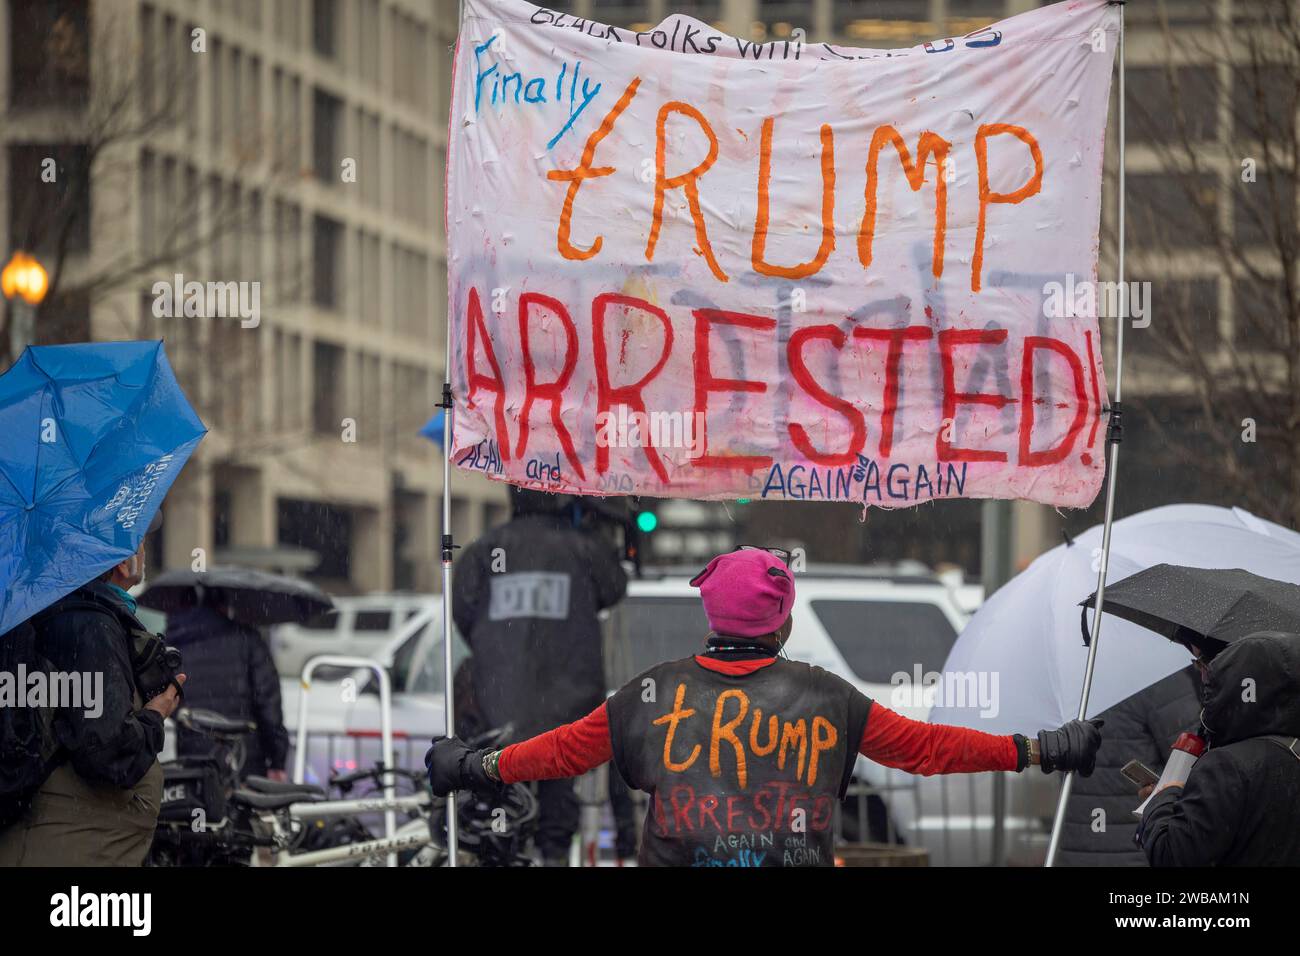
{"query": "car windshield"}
pixel 424 675
pixel 372 621
pixel 881 638
pixel 325 621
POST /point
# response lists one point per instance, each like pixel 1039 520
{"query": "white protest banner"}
pixel 685 264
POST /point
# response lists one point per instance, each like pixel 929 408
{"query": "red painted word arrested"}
pixel 846 400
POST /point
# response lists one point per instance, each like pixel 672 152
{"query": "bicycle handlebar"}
pixel 376 773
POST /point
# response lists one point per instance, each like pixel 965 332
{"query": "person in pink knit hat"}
pixel 744 752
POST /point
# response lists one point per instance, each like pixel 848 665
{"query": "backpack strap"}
pixel 70 603
pixel 1291 745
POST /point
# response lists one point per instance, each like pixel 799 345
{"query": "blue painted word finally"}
pixel 532 89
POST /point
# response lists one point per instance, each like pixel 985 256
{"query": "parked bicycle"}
pixel 210 818
pixel 202 820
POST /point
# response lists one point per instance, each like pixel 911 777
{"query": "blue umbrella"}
pixel 91 438
pixel 435 429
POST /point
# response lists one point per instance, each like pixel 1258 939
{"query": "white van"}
pixel 361 625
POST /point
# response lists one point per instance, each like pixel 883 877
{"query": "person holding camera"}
pixel 98 802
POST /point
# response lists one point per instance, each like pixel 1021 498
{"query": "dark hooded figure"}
pixel 525 598
pixel 1240 804
pixel 236 677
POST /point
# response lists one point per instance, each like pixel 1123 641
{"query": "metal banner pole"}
pixel 448 547
pixel 449 709
pixel 1114 433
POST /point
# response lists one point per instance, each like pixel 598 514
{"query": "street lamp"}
pixel 24 282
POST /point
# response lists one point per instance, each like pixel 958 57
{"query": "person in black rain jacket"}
pixel 1240 804
pixel 234 675
pixel 526 596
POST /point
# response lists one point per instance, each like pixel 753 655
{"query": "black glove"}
pixel 452 765
pixel 1073 746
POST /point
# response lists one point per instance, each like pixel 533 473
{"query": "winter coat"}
pixel 525 597
pixel 229 669
pixel 1099 825
pixel 1241 802
pixel 99 804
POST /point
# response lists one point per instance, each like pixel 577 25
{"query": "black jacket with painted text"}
pixel 743 769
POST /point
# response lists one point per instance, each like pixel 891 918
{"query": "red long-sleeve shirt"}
pixel 889 739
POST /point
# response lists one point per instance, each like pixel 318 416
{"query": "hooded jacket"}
pixel 99 799
pixel 1141 727
pixel 1239 804
pixel 89 632
pixel 525 597
pixel 230 670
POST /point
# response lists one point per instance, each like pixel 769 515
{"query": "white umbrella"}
pixel 1027 638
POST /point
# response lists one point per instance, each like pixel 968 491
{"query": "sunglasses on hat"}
pixel 778 552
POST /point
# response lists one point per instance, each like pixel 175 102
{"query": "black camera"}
pixel 155 664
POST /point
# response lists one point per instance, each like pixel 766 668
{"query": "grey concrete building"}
pixel 296 147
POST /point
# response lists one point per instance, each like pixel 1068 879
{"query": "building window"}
pixel 327 262
pixel 288 258
pixel 371 385
pixel 1171 210
pixel 222 512
pixel 324 27
pixel 327 123
pixel 1168 106
pixel 320 528
pixel 1264 102
pixel 49 52
pixel 289 396
pixel 1263 211
pixel 368 53
pixel 369 283
pixel 45 215
pixel 327 388
pixel 1259 317
pixel 1190 306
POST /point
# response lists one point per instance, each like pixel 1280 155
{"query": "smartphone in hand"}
pixel 1139 774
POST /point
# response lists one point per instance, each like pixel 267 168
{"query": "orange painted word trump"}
pixel 737 735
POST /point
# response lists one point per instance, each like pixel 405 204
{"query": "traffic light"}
pixel 646 521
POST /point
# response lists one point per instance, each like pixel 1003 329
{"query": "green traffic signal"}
pixel 647 521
